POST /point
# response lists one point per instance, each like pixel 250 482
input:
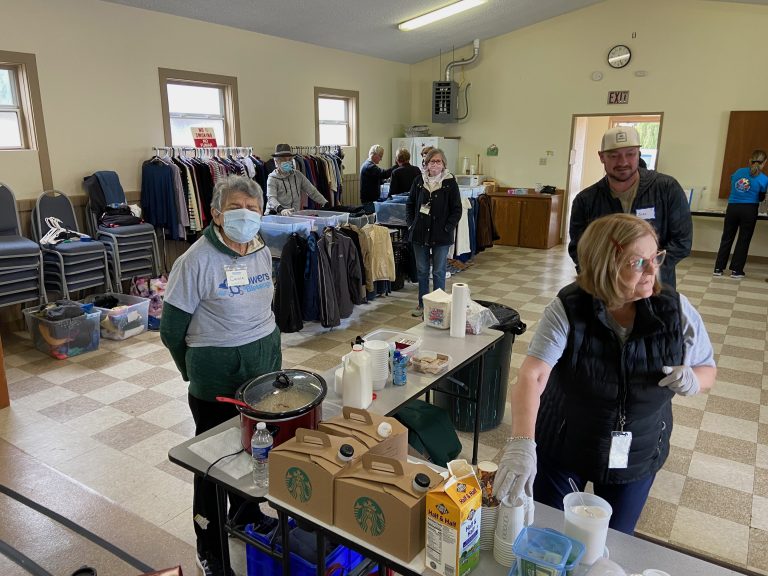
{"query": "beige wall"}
pixel 527 85
pixel 98 64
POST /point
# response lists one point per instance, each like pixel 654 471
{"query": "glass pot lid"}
pixel 284 393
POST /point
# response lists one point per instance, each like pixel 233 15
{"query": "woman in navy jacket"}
pixel 433 212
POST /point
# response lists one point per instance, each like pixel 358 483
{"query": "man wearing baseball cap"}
pixel 648 194
pixel 285 184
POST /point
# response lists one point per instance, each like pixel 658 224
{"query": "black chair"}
pixel 21 262
pixel 131 250
pixel 69 263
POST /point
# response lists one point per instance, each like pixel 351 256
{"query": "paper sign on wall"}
pixel 204 137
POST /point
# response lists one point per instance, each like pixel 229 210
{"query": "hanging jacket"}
pixel 311 299
pixel 438 228
pixel 486 229
pixel 597 379
pixel 338 259
pixel 289 291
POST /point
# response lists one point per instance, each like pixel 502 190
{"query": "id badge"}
pixel 424 209
pixel 237 275
pixel 619 455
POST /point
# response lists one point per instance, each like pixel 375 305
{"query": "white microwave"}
pixel 470 180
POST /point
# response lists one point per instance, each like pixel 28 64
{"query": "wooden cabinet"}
pixel 530 220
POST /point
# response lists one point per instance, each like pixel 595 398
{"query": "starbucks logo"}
pixel 369 516
pixel 298 484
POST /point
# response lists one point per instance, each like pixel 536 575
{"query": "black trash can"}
pixel 495 377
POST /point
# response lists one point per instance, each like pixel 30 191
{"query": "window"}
pixel 336 118
pixel 195 100
pixel 11 114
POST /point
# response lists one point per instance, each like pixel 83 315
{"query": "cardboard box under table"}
pixel 375 501
pixel 363 426
pixel 302 470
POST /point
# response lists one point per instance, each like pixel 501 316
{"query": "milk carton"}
pixel 453 522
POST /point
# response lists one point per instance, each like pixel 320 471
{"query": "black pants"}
pixel 204 504
pixel 741 218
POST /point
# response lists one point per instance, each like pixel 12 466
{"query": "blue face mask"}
pixel 286 167
pixel 241 225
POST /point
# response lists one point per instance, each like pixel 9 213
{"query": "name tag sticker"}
pixel 646 213
pixel 237 275
pixel 619 454
pixel 424 209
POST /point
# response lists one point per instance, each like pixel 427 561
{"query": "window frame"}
pixel 228 87
pixel 352 98
pixel 30 104
pixel 15 107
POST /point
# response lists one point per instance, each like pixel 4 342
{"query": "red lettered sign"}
pixel 204 137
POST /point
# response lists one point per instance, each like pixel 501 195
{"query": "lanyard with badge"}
pixel 425 208
pixel 621 439
pixel 237 274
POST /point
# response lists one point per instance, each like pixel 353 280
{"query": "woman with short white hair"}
pixel 371 176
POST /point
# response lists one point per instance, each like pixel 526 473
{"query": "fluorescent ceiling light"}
pixel 439 14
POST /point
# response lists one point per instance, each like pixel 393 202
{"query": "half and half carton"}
pixel 453 522
pixel 382 435
pixel 376 501
pixel 302 470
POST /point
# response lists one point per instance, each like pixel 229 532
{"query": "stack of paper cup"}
pixel 488 526
pixel 379 351
pixel 510 521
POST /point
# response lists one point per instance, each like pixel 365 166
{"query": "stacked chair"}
pixel 21 262
pixel 70 263
pixel 131 250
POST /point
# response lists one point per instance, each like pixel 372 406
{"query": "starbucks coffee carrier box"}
pixel 378 500
pixel 453 522
pixel 302 470
pixel 382 435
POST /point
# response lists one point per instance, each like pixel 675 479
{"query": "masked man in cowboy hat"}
pixel 286 185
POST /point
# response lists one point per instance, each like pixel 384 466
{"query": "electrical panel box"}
pixel 445 102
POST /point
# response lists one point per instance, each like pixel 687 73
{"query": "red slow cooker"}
pixel 284 400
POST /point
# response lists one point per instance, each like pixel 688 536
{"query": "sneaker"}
pixel 417 312
pixel 717 272
pixel 209 565
pixel 738 275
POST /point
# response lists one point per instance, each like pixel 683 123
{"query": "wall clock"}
pixel 619 56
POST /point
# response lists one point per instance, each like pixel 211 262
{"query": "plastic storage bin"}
pixel 406 343
pixel 62 339
pixel 541 552
pixel 390 213
pixel 322 218
pixel 275 230
pixel 340 561
pixel 124 323
pixel 361 221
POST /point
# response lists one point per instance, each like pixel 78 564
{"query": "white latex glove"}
pixel 680 379
pixel 286 211
pixel 517 469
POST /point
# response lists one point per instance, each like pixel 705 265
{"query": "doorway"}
pixel 584 166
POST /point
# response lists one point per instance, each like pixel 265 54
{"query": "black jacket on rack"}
pixel 290 285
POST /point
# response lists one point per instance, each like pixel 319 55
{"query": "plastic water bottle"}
pixel 399 369
pixel 261 444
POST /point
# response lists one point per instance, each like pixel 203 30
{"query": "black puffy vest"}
pixel 580 406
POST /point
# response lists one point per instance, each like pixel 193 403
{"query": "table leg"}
pixel 221 501
pixel 283 518
pixel 478 397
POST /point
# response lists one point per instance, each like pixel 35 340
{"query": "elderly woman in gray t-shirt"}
pixel 219 326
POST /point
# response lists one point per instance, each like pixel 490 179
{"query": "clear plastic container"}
pixel 541 552
pixel 440 364
pixel 406 343
pixel 322 218
pixel 129 321
pixel 275 230
pixel 62 339
pixel 390 213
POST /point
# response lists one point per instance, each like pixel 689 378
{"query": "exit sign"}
pixel 618 97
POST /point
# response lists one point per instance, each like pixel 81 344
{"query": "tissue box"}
pixel 437 309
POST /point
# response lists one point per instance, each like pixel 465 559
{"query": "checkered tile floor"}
pixel 108 418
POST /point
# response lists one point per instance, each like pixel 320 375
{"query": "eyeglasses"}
pixel 435 161
pixel 641 264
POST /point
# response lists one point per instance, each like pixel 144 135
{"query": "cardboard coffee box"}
pixel 453 522
pixel 366 427
pixel 302 470
pixel 376 500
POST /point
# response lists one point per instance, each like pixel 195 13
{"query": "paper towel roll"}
pixel 459 301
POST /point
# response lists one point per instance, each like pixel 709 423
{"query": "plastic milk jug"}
pixel 358 385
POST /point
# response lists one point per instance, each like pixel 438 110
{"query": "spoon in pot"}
pixel 232 401
pixel 581 498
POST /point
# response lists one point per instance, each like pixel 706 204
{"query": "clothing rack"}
pixel 202 152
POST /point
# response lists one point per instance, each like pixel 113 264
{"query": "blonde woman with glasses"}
pixel 593 401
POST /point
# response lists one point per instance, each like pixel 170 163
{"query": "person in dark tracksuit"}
pixel 748 186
